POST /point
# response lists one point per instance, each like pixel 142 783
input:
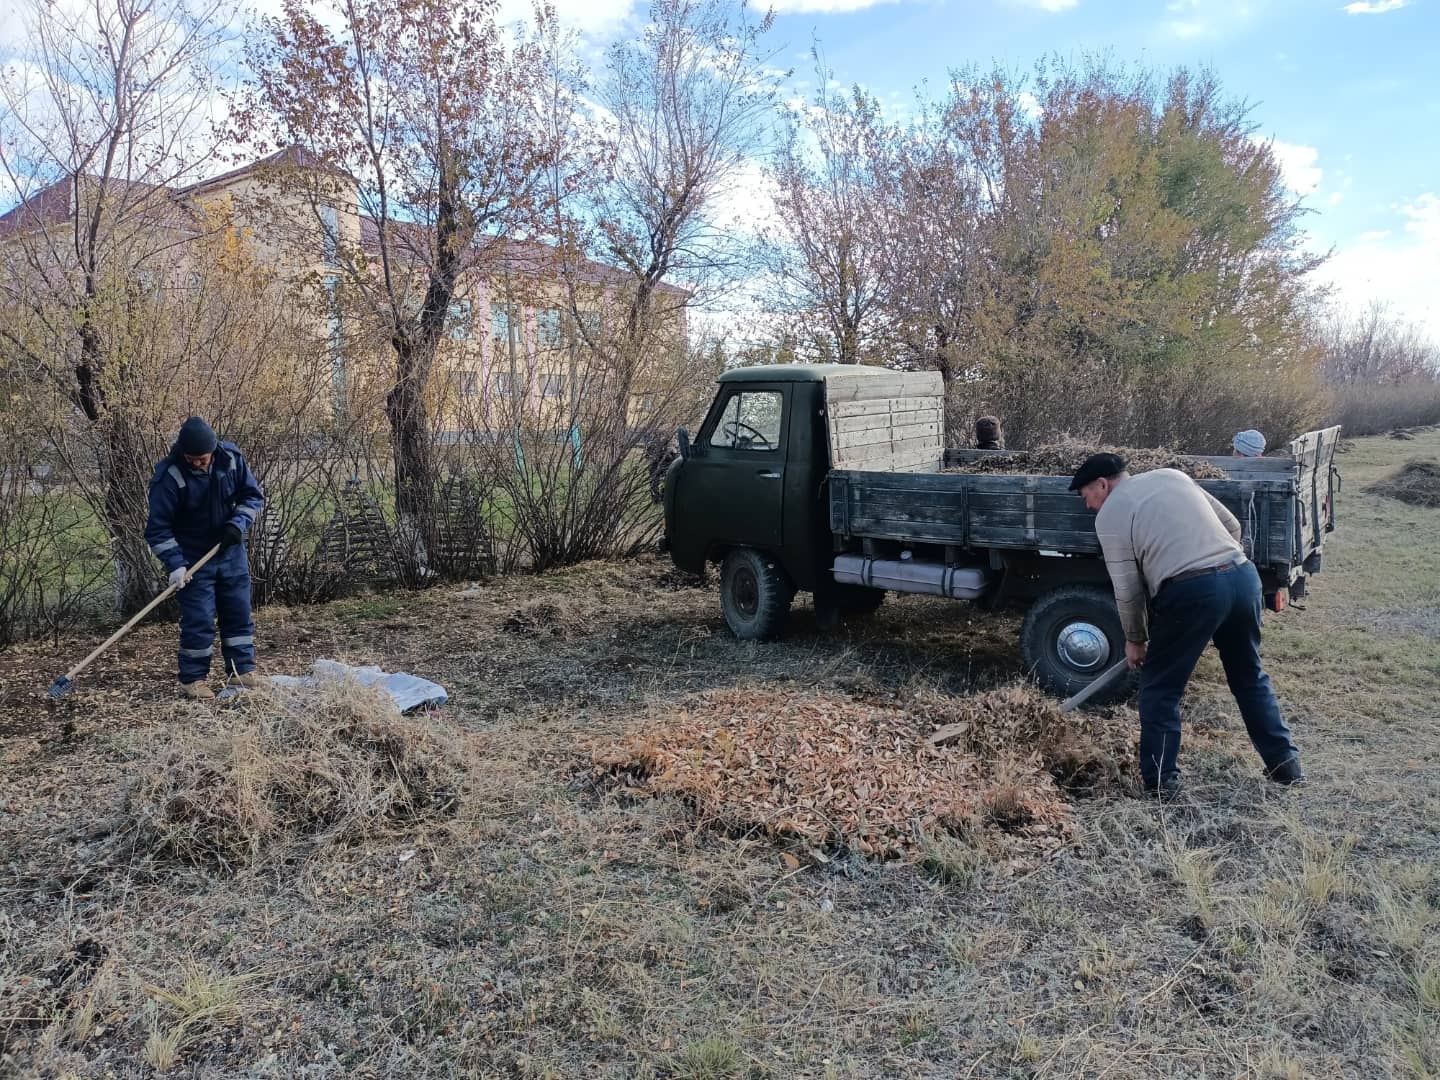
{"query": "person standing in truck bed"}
pixel 988 435
pixel 1182 580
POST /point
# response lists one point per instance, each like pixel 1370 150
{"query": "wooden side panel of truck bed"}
pixel 1032 513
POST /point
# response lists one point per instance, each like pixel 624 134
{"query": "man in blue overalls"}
pixel 201 495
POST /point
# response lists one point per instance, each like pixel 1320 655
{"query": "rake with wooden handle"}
pixel 62 686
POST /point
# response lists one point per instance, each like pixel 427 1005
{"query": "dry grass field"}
pixel 315 888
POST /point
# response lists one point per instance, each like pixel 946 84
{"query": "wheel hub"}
pixel 746 592
pixel 1083 646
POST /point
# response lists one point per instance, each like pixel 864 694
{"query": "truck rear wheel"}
pixel 755 595
pixel 1070 637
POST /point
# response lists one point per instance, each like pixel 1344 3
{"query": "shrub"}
pixel 1374 410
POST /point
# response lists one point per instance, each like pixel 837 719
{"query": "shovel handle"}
pixel 1101 681
pixel 151 606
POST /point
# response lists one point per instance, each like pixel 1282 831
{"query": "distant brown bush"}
pixel 1374 410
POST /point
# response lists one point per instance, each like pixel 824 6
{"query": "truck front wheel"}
pixel 755 595
pixel 1070 637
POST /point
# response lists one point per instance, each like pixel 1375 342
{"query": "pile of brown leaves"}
pixel 834 772
pixel 1063 458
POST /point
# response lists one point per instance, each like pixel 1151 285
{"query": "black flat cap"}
pixel 1096 466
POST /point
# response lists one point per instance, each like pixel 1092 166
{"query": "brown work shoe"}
pixel 249 679
pixel 197 691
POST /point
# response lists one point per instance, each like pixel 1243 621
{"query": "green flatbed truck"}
pixel 831 480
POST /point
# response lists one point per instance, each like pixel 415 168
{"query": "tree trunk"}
pixel 415 509
pixel 124 478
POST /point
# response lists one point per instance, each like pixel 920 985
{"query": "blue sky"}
pixel 1351 97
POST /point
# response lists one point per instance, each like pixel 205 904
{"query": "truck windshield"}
pixel 750 421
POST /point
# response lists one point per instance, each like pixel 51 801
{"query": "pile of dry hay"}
pixel 292 770
pixel 1417 482
pixel 1063 458
pixel 834 772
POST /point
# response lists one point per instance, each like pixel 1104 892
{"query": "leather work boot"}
pixel 1288 772
pixel 196 691
pixel 250 680
pixel 1167 790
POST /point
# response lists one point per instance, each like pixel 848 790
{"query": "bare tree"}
pixel 105 118
pixel 432 113
pixel 1377 347
pixel 821 254
pixel 688 103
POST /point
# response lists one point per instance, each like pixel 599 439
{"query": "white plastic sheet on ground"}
pixel 408 691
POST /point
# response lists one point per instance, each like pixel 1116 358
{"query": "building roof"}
pixel 291 157
pixel 54 204
pixel 503 255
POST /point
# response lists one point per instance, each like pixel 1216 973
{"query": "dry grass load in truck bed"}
pixel 1063 458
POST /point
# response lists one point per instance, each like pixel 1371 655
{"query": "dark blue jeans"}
pixel 1185 616
pixel 220 589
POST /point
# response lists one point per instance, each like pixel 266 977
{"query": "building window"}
pixel 552 386
pixel 457 320
pixel 507 385
pixel 329 233
pixel 466 384
pixel 335 334
pixel 549 328
pixel 500 325
pixel 590 324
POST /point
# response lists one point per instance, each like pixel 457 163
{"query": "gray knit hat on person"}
pixel 1249 443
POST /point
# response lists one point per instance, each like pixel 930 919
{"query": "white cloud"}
pixel 1029 105
pixel 1374 7
pixel 1299 166
pixel 1052 6
pixel 747 204
pixel 587 16
pixel 1400 268
pixel 824 7
pixel 1191 19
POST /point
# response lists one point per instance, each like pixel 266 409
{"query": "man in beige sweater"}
pixel 1181 580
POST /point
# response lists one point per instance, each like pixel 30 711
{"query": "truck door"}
pixel 739 472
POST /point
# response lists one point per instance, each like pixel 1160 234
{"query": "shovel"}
pixel 1106 679
pixel 62 686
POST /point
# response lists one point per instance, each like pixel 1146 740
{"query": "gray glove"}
pixel 177 576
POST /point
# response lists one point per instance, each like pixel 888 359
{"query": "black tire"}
pixel 1071 636
pixel 755 595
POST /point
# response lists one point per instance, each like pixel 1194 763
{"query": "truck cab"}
pixel 752 476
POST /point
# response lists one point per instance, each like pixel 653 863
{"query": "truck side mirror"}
pixel 683 438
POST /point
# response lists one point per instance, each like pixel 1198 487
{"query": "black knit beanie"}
pixel 196 437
